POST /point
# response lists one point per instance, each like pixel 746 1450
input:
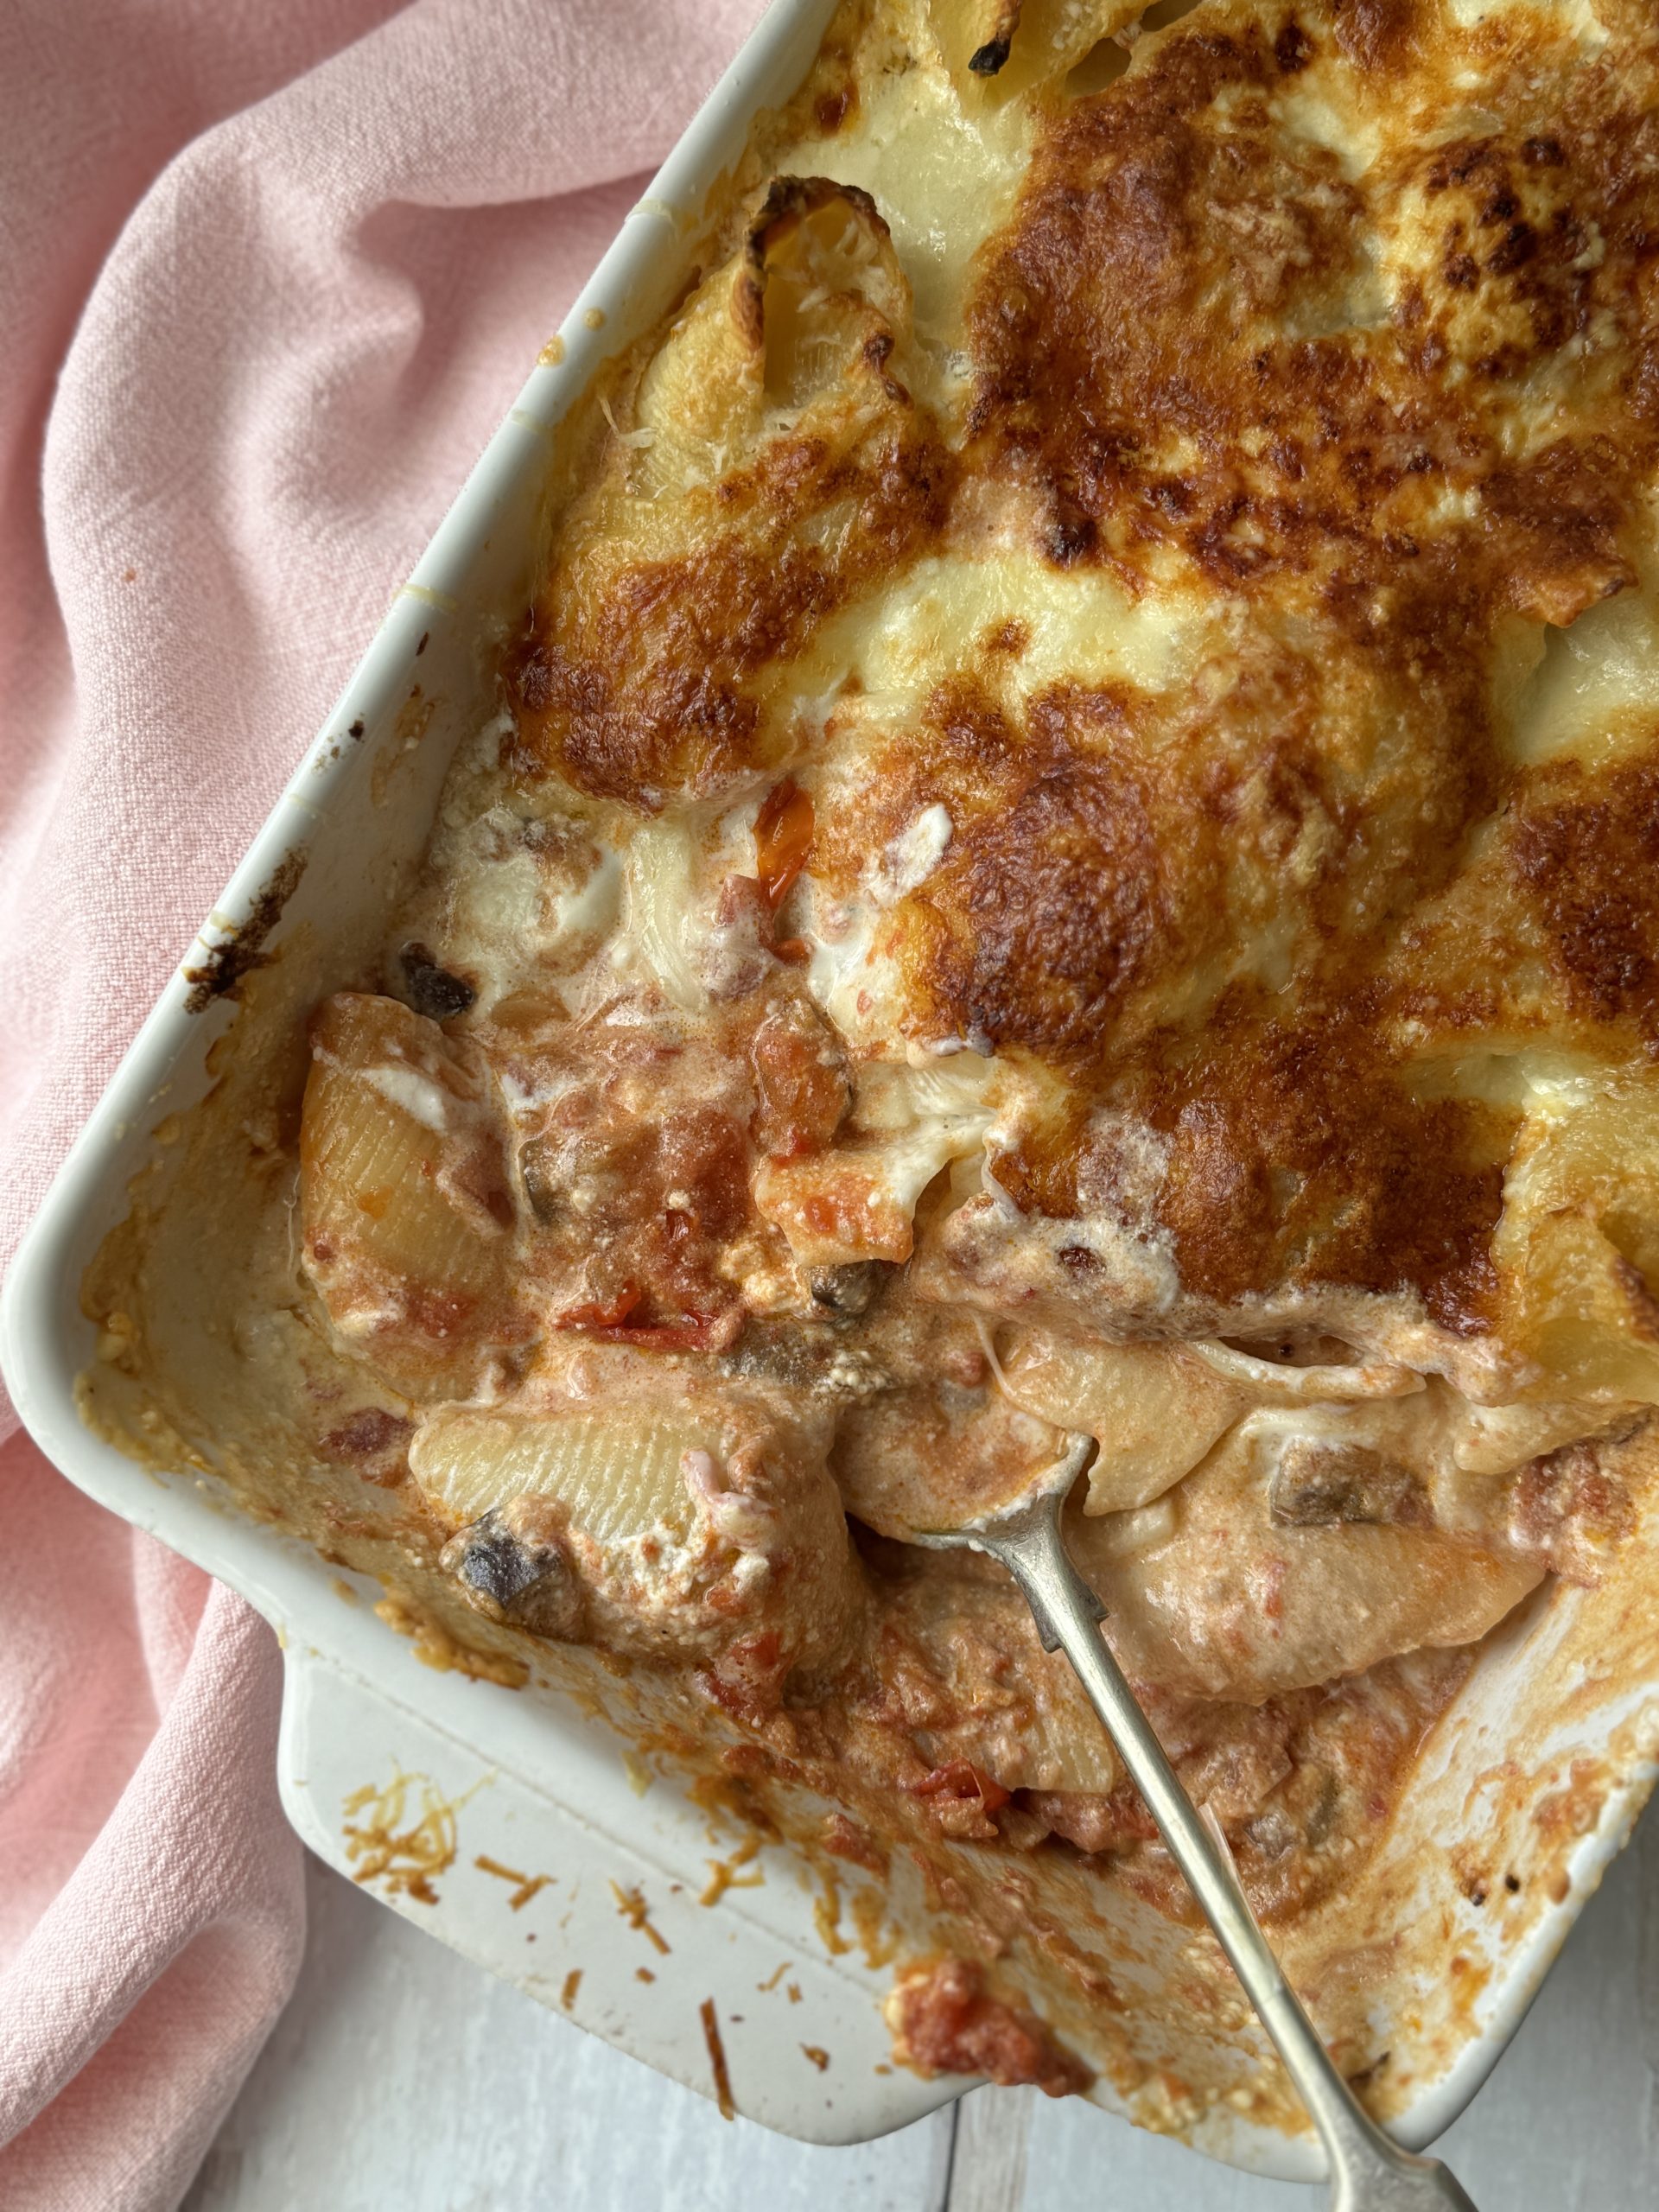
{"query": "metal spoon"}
pixel 1368 2172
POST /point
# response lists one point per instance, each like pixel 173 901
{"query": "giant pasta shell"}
pixel 1154 1409
pixel 616 1475
pixel 402 1197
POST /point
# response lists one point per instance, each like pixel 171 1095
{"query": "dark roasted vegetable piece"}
pixel 848 1290
pixel 432 990
pixel 515 1577
pixel 1317 1485
pixel 544 1192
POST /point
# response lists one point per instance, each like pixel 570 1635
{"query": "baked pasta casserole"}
pixel 1069 842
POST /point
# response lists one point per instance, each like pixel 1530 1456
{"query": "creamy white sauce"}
pixel 844 973
pixel 659 913
pixel 592 908
pixel 413 1094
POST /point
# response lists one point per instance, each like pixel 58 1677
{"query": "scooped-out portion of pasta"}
pixel 1069 844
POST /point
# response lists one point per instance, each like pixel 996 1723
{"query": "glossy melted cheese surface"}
pixel 1191 542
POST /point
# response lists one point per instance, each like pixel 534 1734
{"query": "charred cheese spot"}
pixel 1051 912
pixel 643 688
pixel 997 50
pixel 1367 359
pixel 1297 1156
pixel 1588 852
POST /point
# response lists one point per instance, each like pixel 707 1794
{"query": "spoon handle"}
pixel 1368 2172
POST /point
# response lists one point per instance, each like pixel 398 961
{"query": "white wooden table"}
pixel 402 2077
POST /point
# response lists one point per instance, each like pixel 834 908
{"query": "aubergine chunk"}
pixel 511 1567
pixel 662 1517
pixel 433 991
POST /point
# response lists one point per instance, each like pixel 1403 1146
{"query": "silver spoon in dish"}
pixel 1368 2172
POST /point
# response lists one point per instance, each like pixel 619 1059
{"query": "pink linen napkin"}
pixel 269 277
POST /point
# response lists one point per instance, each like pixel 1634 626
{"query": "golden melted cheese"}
pixel 1182 511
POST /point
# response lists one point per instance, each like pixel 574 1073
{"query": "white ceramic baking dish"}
pixel 1529 1787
